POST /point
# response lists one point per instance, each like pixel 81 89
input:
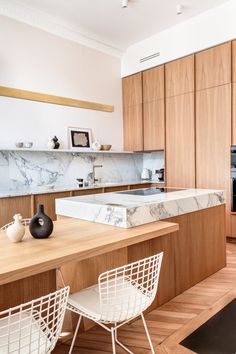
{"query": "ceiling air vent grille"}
pixel 149 57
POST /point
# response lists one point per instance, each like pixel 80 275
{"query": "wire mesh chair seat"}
pixel 121 295
pixel 33 327
pixel 24 222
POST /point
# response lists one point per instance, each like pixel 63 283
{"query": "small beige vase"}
pixel 16 231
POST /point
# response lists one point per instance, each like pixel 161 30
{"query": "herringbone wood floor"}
pixel 170 323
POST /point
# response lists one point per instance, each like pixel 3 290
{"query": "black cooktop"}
pixel 149 191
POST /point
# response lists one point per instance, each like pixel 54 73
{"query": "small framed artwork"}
pixel 80 138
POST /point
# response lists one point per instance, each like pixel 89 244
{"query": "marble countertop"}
pixel 125 210
pixel 67 188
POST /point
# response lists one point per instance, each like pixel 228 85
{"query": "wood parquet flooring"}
pixel 170 323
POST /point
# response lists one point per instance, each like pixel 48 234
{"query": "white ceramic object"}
pixel 146 173
pixel 51 143
pixel 96 145
pixel 16 231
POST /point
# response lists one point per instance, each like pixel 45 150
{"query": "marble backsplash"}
pixel 23 169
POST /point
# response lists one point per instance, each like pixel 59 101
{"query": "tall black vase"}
pixel 41 226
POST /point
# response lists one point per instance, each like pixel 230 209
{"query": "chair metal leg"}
pixel 147 333
pixel 113 340
pixel 75 334
pixel 121 344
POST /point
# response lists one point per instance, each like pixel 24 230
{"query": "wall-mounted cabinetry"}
pixel 199 118
pixel 180 125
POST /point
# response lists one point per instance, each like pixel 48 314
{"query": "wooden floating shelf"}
pixel 58 100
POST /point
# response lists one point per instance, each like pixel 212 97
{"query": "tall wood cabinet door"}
pixel 153 84
pixel 180 141
pixel 132 90
pixel 213 140
pixel 213 66
pixel 179 76
pixel 133 128
pixel 234 61
pixel 154 125
pixel 14 205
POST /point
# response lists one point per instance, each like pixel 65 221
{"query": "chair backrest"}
pixel 127 291
pixel 33 327
pixel 24 222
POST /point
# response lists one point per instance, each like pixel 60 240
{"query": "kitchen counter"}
pixel 126 210
pixel 67 188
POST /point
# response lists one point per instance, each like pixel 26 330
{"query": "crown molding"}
pixel 54 25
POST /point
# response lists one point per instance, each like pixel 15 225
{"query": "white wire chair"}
pixel 121 295
pixel 33 327
pixel 24 222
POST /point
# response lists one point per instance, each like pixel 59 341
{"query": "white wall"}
pixel 35 60
pixel 205 30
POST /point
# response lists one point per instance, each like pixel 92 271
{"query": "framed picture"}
pixel 80 138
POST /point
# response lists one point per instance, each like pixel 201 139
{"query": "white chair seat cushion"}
pixel 26 335
pixel 125 306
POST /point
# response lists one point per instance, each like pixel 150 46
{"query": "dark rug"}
pixel 217 335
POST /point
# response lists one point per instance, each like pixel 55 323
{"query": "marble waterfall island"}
pixel 127 209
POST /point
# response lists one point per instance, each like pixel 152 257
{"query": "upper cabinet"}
pixel 154 84
pixel 154 109
pixel 133 112
pixel 132 90
pixel 234 61
pixel 213 67
pixel 179 76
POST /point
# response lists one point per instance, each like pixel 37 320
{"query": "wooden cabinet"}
pixel 87 192
pixel 213 139
pixel 14 205
pixel 179 76
pixel 132 90
pixel 213 67
pixel 180 141
pixel 132 112
pixel 48 200
pixel 234 61
pixel 153 84
pixel 133 128
pixel 154 125
pixel 154 109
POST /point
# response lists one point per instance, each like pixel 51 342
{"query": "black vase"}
pixel 41 226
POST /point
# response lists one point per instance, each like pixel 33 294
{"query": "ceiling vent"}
pixel 149 57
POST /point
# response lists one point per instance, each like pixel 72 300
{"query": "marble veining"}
pixel 126 211
pixel 22 170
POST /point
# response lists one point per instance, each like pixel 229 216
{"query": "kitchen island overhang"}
pixel 127 210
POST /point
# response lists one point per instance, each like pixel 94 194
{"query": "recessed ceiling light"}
pixel 124 3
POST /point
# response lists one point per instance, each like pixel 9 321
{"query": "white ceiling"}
pixel 106 22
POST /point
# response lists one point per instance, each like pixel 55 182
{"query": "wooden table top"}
pixel 72 239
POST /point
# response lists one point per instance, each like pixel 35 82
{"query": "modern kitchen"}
pixel 117 177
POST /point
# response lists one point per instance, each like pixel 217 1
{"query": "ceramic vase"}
pixel 41 226
pixel 16 231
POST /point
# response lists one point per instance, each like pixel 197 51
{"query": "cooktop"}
pixel 149 191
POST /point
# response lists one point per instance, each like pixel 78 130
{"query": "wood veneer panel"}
pixel 153 84
pixel 166 289
pixel 180 141
pixel 233 225
pixel 12 206
pixel 234 61
pixel 26 289
pixel 179 76
pixel 132 90
pixel 87 191
pixel 115 189
pixel 133 128
pixel 213 140
pixel 48 200
pixel 140 186
pixel 213 66
pixel 154 125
